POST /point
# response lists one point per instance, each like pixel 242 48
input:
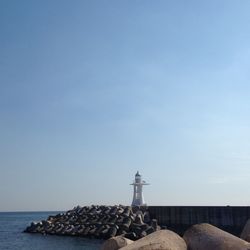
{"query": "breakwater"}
pixel 133 222
pixel 100 222
pixel 179 218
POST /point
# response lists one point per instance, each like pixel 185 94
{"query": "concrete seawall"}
pixel 179 218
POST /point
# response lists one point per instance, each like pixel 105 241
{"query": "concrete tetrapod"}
pixel 159 240
pixel 206 237
pixel 97 221
pixel 245 234
pixel 115 243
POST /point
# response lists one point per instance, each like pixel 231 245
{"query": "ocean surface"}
pixel 12 237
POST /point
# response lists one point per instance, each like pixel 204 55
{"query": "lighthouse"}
pixel 138 199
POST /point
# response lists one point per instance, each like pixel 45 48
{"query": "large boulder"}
pixel 159 240
pixel 245 234
pixel 115 243
pixel 206 237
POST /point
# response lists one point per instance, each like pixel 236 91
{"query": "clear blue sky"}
pixel 92 91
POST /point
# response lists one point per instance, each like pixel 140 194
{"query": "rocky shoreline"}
pixel 102 222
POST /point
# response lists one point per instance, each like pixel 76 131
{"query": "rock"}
pixel 206 237
pixel 146 216
pixel 126 222
pixel 154 224
pixel 245 235
pixel 138 219
pixel 135 209
pixel 111 232
pixel 160 240
pixel 137 230
pixel 127 211
pixel 115 243
pixel 130 235
pixel 149 230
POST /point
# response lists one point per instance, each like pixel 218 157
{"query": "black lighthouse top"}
pixel 137 174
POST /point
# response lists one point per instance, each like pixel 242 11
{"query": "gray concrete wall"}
pixel 179 218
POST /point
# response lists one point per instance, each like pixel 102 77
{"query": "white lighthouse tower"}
pixel 138 199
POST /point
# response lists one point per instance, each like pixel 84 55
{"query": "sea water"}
pixel 12 237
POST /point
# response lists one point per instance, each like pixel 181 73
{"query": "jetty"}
pixel 100 222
